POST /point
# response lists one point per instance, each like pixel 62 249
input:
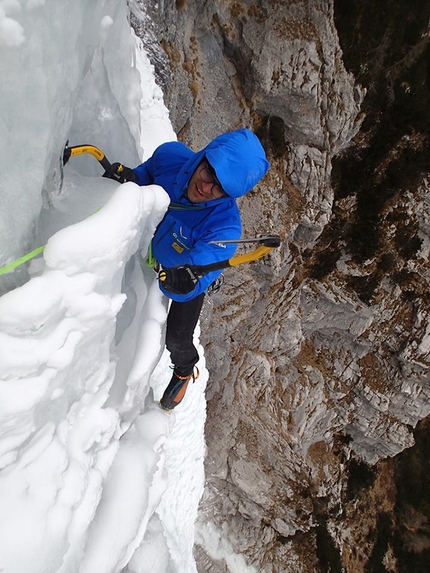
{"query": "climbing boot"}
pixel 176 389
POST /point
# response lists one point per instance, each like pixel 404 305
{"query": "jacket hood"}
pixel 238 158
pixel 239 161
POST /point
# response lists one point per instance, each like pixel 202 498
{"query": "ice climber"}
pixel 203 188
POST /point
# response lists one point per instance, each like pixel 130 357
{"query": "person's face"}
pixel 203 185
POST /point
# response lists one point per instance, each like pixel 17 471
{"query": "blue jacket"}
pixel 183 236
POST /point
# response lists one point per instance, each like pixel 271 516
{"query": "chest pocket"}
pixel 181 238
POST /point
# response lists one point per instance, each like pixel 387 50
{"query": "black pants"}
pixel 181 322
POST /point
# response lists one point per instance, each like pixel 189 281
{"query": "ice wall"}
pixel 58 439
pixel 67 73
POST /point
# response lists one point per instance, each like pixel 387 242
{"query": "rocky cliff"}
pixel 318 356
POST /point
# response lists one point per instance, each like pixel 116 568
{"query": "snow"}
pixel 94 475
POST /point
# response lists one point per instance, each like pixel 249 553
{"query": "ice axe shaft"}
pixel 115 171
pixel 258 253
pixel 71 151
pixel 272 241
pixel 233 262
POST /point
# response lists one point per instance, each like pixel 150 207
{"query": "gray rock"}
pixel 304 372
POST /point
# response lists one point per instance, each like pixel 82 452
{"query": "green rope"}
pixel 150 259
pixel 11 266
pixel 22 260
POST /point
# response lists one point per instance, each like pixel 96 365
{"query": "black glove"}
pixel 120 173
pixel 178 280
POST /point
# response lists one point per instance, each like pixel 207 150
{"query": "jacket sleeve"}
pixel 145 172
pixel 168 157
pixel 204 253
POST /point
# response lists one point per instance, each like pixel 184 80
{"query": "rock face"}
pixel 319 355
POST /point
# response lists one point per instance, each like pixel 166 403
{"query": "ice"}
pixel 11 32
pixel 94 476
pixel 70 79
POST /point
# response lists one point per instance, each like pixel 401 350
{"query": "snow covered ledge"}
pixel 82 457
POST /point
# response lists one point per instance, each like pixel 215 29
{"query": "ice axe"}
pixel 267 243
pixel 113 171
